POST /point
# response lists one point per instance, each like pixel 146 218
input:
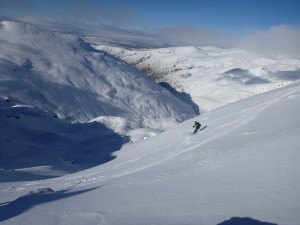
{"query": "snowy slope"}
pixel 212 76
pixel 62 73
pixel 35 144
pixel 243 163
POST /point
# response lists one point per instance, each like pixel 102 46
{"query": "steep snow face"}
pixel 64 74
pixel 244 162
pixel 212 76
pixel 35 144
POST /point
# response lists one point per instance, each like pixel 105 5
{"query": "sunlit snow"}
pixel 86 138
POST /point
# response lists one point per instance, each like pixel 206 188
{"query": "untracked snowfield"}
pixel 209 76
pixel 244 162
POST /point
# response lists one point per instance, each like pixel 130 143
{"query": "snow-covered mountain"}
pixel 241 168
pixel 62 73
pixel 211 76
pixel 48 77
pixel 35 144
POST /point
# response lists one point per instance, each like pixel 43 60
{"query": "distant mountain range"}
pixel 211 76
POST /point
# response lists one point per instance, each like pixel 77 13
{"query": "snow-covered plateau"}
pixel 76 122
pixel 209 76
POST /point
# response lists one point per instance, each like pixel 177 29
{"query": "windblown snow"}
pixel 240 168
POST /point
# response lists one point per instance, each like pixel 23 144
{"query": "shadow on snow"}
pixel 203 128
pixel 243 77
pixel 185 97
pixel 244 221
pixel 32 143
pixel 24 203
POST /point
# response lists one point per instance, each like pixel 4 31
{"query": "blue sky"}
pixel 219 15
pixel 270 24
pixel 224 15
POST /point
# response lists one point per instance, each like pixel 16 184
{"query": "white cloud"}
pixel 74 17
pixel 281 39
pixel 187 35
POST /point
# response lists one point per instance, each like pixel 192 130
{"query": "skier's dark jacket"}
pixel 197 125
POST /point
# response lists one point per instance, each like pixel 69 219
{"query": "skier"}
pixel 197 125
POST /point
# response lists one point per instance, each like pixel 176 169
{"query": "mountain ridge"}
pixel 212 76
pixel 68 69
